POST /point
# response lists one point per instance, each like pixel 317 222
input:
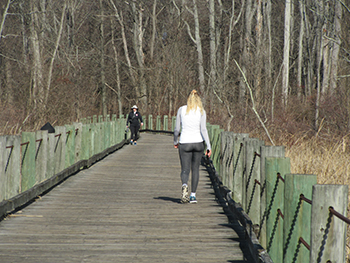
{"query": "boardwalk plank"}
pixel 125 208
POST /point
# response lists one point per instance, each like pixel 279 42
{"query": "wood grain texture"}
pixel 125 208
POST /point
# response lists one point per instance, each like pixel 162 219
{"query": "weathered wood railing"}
pixel 34 162
pixel 294 218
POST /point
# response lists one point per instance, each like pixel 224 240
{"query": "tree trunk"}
pixel 154 28
pixel 300 49
pixel 199 52
pixel 117 74
pixel 286 51
pixel 212 76
pixel 57 43
pixel 259 52
pixel 4 14
pixel 102 51
pixel 140 56
pixel 268 45
pixel 309 55
pixel 37 69
pixel 246 47
pixel 319 48
pixel 125 47
pixel 336 47
pixel 198 42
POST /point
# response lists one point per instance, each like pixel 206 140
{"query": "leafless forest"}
pixel 276 69
pixel 263 65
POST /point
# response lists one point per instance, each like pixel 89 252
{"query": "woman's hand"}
pixel 208 153
pixel 176 146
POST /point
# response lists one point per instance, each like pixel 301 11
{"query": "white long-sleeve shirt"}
pixel 193 127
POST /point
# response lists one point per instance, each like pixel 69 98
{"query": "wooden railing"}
pixel 34 162
pixel 294 218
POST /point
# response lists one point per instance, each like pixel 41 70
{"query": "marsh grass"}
pixel 327 157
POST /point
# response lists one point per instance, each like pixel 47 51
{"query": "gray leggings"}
pixel 190 158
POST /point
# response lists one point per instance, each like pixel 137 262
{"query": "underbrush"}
pixel 328 159
pixel 323 153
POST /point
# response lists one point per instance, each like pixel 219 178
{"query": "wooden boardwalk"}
pixel 125 208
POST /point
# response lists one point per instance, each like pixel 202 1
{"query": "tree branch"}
pixel 253 103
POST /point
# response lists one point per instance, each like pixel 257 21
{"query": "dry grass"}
pixel 328 158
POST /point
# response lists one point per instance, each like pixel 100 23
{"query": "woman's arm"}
pixel 204 131
pixel 177 127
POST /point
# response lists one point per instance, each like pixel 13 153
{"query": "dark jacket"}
pixel 134 119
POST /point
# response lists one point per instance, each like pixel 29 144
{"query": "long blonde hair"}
pixel 194 101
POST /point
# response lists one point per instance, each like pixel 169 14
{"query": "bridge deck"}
pixel 125 208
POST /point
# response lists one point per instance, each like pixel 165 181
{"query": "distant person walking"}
pixel 133 122
pixel 191 119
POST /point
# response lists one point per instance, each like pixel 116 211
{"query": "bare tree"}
pixel 154 28
pixel 198 42
pixel 102 51
pixel 301 46
pixel 4 15
pixel 37 75
pixel 138 32
pixel 246 46
pixel 58 38
pixel 268 44
pixel 213 48
pixel 286 50
pixel 125 47
pixel 319 47
pixel 117 71
pixel 336 43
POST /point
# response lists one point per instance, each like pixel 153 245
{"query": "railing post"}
pixel 3 155
pixel 297 215
pixel 28 161
pixel 12 166
pixel 78 133
pixel 106 135
pixel 144 127
pixel 328 233
pixel 158 123
pixel 215 142
pixel 150 122
pixel 86 142
pixel 41 155
pixel 266 151
pixel 60 148
pixel 252 173
pixel 165 123
pixel 99 139
pixel 173 123
pixel 276 169
pixel 238 166
pixel 226 164
pixel 70 145
pixel 51 155
pixel 121 130
pixel 114 130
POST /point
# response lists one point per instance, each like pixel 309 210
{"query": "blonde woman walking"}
pixel 191 119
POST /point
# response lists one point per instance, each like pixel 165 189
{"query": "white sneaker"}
pixel 185 198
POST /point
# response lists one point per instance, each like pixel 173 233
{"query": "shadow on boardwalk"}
pixel 125 208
